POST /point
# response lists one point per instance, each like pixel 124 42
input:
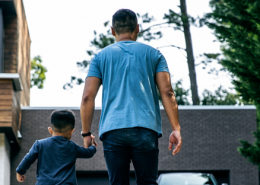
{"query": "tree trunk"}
pixel 189 50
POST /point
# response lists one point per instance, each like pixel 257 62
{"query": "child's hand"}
pixel 93 142
pixel 20 178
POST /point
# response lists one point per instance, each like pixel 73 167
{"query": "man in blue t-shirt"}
pixel 130 122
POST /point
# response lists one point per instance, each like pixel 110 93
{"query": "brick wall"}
pixel 11 44
pixel 210 141
pixel 17 49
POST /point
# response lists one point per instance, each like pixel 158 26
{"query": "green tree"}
pixel 180 22
pixel 181 94
pixel 221 97
pixel 237 27
pixel 99 42
pixel 37 72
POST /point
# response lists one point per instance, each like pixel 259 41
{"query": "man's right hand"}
pixel 88 141
pixel 175 139
pixel 93 142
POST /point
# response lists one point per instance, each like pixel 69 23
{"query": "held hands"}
pixel 175 139
pixel 20 178
pixel 93 142
pixel 89 140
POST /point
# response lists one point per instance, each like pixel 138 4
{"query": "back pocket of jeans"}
pixel 148 139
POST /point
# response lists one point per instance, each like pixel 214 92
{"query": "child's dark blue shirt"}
pixel 56 160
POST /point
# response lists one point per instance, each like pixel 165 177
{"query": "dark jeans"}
pixel 137 144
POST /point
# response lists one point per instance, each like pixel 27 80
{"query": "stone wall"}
pixel 210 140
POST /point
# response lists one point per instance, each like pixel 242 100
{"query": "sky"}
pixel 61 32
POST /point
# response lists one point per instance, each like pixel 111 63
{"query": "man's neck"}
pixel 125 37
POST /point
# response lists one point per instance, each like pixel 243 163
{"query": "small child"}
pixel 57 154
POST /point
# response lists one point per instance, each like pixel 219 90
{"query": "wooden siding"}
pixel 6 99
pixel 16 112
pixel 17 49
pixel 10 110
pixel 24 61
pixel 16 60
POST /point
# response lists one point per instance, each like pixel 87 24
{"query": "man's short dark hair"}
pixel 124 20
pixel 62 120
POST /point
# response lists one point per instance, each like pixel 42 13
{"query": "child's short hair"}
pixel 62 120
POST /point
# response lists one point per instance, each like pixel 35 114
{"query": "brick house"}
pixel 210 133
pixel 14 79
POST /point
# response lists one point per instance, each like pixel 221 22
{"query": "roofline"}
pixel 181 107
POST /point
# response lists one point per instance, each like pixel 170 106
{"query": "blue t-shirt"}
pixel 56 160
pixel 129 99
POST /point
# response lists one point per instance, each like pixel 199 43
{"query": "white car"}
pixel 187 179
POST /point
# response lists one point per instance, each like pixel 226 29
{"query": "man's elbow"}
pixel 167 93
pixel 87 98
pixel 169 96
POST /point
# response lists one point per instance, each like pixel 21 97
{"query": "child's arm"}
pixel 27 161
pixel 86 152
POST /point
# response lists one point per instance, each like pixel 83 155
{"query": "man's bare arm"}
pixel 92 85
pixel 163 81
